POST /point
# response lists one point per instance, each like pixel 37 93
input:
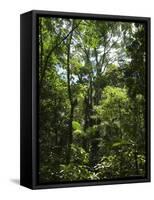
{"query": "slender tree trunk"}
pixel 136 162
pixel 86 120
pixel 135 152
pixel 91 97
pixel 88 103
pixel 55 125
pixel 121 148
pixel 70 135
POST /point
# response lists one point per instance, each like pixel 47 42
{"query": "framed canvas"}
pixel 85 99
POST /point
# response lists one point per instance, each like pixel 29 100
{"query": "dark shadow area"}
pixel 15 181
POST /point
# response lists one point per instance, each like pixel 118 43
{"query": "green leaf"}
pixel 120 143
pixel 76 125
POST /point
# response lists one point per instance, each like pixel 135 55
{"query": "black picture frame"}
pixel 29 98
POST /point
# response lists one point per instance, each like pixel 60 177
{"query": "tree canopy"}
pixel 91 99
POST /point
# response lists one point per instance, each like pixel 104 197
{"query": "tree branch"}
pixel 51 51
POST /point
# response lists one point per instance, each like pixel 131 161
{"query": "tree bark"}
pixel 70 135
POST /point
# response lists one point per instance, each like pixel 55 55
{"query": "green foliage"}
pixel 79 155
pixel 108 168
pixel 91 100
pixel 120 143
pixel 74 172
pixel 113 106
pixel 76 125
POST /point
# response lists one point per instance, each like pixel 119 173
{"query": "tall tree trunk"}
pixel 88 102
pixel 121 148
pixel 135 151
pixel 70 135
pixel 91 97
